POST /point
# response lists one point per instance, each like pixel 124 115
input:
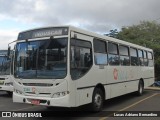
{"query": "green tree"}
pixel 112 33
pixel 145 34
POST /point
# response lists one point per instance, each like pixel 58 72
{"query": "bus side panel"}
pixel 87 83
pixel 148 76
pixel 117 89
pixel 85 96
pixel 107 91
pixel 132 86
pixel 133 78
pixel 116 78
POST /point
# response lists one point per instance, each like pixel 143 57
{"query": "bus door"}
pixel 81 63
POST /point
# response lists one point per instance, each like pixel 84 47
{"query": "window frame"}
pixel 100 52
pixel 134 56
pixel 151 55
pixel 125 47
pixel 111 53
pixel 117 48
pixel 121 45
pixel 106 44
pixel 80 46
pixel 150 59
pixel 145 55
pixel 142 57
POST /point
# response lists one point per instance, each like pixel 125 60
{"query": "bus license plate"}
pixel 35 102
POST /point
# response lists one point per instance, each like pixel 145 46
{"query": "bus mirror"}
pixel 8 52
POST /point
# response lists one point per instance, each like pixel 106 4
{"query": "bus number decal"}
pixel 27 89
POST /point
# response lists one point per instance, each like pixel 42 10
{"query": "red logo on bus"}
pixel 34 90
pixel 115 73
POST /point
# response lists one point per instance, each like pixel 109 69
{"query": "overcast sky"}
pixel 95 15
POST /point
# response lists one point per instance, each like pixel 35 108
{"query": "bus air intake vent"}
pixel 38 84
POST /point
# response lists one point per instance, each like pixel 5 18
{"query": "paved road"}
pixel 130 102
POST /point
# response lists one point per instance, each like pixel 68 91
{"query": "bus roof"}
pixel 106 38
pixel 88 33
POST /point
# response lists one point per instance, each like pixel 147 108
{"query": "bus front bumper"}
pixel 45 101
pixel 6 88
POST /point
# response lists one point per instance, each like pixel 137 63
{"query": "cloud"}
pixel 97 16
pixel 7 36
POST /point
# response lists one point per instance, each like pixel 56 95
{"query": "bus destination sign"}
pixel 47 33
pixel 44 32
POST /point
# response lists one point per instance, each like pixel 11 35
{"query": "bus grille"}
pixel 38 94
pixel 38 84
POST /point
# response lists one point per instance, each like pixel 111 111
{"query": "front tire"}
pixel 97 100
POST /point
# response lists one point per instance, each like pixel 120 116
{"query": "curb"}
pixel 152 88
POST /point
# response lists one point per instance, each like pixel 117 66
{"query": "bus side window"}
pixel 81 58
pixel 134 57
pixel 124 55
pixel 100 52
pixel 150 59
pixel 145 59
pixel 141 57
pixel 113 55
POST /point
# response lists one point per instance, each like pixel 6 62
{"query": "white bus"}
pixel 6 83
pixel 68 67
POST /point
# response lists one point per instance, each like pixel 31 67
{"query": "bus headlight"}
pixel 9 83
pixel 60 94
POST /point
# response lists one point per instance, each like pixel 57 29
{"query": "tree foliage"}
pixel 112 33
pixel 145 34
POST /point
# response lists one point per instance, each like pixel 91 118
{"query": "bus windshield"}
pixel 41 59
pixel 4 65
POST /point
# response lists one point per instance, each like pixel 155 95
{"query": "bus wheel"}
pixel 97 100
pixel 140 88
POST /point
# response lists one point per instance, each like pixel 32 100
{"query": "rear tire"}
pixel 140 88
pixel 97 100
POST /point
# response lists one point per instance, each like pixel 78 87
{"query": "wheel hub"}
pixel 98 100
